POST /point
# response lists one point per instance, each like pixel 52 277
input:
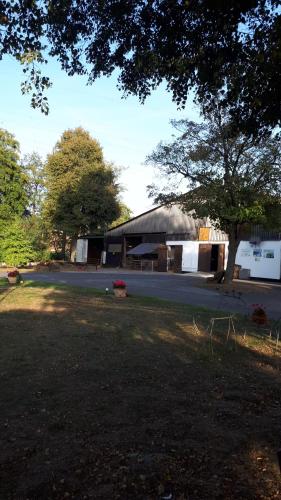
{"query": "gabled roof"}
pixel 134 218
pixel 169 220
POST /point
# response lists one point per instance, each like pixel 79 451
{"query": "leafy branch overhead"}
pixel 230 50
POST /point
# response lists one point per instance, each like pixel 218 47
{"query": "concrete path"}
pixel 183 288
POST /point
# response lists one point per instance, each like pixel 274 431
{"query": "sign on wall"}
pixel 257 252
pixel 204 233
pixel 268 254
pixel 245 252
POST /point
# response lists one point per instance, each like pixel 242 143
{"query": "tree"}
pixel 33 168
pixel 82 188
pixel 231 48
pixel 38 232
pixel 13 198
pixel 16 247
pixel 235 180
pixel 125 214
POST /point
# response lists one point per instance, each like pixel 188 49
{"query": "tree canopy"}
pixel 231 49
pixel 234 180
pixel 82 188
pixel 13 199
pixel 33 168
pixel 125 214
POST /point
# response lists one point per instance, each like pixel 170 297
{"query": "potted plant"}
pixel 119 288
pixel 13 277
pixel 259 315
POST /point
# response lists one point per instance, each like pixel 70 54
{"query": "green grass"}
pixel 145 300
pixel 70 289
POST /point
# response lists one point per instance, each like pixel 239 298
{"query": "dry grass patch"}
pixel 105 398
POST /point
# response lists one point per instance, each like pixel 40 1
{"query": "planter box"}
pixel 120 292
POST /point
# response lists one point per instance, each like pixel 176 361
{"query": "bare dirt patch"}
pixel 240 287
pixel 104 398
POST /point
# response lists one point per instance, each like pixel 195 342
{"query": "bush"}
pixel 56 256
pixel 16 247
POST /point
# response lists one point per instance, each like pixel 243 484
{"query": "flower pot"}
pixel 12 280
pixel 120 292
pixel 259 318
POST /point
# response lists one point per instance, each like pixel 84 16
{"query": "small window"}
pixel 115 248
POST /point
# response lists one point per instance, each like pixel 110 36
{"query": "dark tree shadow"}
pixel 106 399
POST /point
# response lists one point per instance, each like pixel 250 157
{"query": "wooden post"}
pixel 124 258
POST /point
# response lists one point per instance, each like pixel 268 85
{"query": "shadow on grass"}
pixel 115 399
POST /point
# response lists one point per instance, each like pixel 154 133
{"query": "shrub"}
pixel 259 315
pixel 56 255
pixel 16 247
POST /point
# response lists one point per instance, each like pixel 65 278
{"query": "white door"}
pixel 82 250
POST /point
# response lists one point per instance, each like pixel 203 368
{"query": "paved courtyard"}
pixel 184 288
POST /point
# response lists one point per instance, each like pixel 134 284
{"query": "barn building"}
pixel 166 238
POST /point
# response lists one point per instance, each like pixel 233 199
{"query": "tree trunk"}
pixel 232 250
pixel 63 245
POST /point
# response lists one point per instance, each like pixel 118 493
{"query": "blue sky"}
pixel 126 129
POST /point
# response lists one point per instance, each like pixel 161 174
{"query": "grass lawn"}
pixel 105 398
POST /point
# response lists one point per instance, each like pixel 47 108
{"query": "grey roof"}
pixel 257 232
pixel 169 220
pixel 144 248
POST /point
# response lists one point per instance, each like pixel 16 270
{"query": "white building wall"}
pixel 263 260
pixel 82 250
pixel 190 252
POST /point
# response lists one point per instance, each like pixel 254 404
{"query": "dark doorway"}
pixel 214 258
pixel 211 258
pixel 114 254
pixel 95 248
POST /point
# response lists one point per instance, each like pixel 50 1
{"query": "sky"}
pixel 127 130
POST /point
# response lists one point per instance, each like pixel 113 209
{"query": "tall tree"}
pixel 35 181
pixel 231 47
pixel 13 198
pixel 235 180
pixel 125 214
pixel 82 188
